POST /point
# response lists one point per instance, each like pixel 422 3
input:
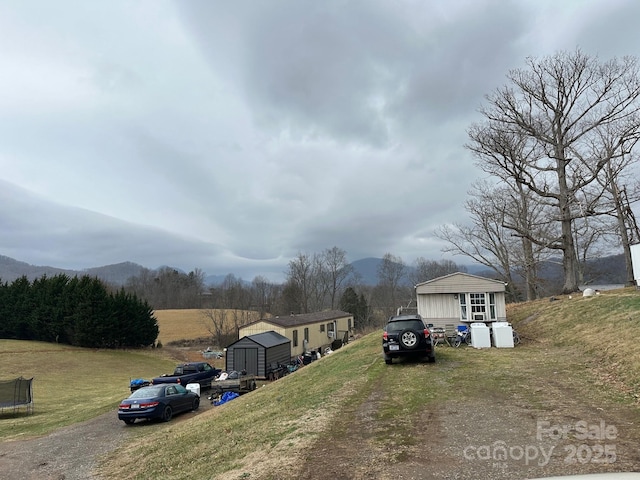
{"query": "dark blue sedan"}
pixel 157 401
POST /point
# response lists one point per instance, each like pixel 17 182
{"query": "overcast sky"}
pixel 230 136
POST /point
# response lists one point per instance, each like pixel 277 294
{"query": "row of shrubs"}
pixel 75 311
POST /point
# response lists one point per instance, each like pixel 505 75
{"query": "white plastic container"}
pixel 193 387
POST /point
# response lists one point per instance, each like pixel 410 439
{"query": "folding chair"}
pixel 451 335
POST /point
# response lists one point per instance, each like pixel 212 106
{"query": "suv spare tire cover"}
pixel 409 339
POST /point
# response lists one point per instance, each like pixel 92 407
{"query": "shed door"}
pixel 246 359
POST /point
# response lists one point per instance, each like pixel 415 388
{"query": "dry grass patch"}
pixel 193 324
pixel 603 327
pixel 187 324
pixel 71 384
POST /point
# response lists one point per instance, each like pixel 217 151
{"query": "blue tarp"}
pixel 226 396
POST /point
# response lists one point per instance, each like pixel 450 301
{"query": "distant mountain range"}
pixel 367 268
pixel 119 273
pixel 601 271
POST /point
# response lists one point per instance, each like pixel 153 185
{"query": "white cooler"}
pixel 193 387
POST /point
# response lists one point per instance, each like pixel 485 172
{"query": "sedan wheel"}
pixel 167 413
pixel 195 404
pixel 129 421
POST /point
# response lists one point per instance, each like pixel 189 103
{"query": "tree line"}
pixel 313 282
pixel 75 311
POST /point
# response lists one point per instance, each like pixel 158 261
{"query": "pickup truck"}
pixel 193 372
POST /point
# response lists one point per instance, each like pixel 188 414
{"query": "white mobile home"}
pixel 461 298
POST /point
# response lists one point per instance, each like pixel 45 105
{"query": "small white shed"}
pixel 461 298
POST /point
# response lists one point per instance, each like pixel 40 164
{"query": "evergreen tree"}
pixel 76 311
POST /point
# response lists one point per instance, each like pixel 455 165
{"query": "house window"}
pixel 478 306
pixel 306 334
pixel 295 338
pixel 329 327
pixel 322 327
pixel 492 306
pixel 463 306
pixel 349 324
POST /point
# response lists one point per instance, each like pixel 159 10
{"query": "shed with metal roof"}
pixel 257 353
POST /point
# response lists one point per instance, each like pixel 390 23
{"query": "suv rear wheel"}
pixel 409 339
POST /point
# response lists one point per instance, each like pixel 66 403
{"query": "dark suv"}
pixel 407 335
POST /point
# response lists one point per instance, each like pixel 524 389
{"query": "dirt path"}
pixel 554 425
pixel 68 454
pixel 71 453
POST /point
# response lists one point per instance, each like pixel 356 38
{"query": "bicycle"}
pixel 465 337
pixel 454 340
pixel 516 338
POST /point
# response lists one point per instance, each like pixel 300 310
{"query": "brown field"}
pixel 191 324
pixel 184 324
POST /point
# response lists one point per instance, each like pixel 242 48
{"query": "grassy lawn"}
pixel 572 342
pixel 70 384
pixel 559 337
pixel 75 384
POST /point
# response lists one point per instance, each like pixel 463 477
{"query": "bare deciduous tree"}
pixel 300 278
pixel 264 295
pixel 576 115
pixel 218 324
pixel 391 278
pixel 620 192
pixel 486 241
pixel 338 270
pixel 424 269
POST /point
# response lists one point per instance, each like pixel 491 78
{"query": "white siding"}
pixel 437 306
pixel 444 308
pixel 458 283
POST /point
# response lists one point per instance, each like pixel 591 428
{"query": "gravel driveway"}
pixel 72 452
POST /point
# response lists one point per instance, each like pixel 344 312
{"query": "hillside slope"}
pixel 351 416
